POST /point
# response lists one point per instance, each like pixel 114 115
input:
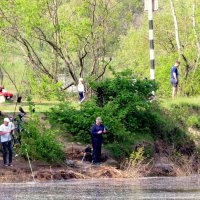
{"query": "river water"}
pixel 144 188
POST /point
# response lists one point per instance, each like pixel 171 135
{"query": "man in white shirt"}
pixel 5 131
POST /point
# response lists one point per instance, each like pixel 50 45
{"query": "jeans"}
pixel 7 146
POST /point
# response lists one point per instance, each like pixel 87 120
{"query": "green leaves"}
pixel 121 102
pixel 41 143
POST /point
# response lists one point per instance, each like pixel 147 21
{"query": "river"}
pixel 144 188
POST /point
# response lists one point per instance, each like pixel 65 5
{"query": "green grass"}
pixel 167 103
pixel 40 106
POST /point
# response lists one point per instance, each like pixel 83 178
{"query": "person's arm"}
pixel 83 88
pixel 104 129
pixel 12 127
pixel 175 75
pixel 94 131
pixel 3 133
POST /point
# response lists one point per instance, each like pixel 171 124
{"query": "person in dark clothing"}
pixel 87 156
pixel 96 131
pixel 174 79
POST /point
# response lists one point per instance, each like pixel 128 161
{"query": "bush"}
pixel 129 116
pixel 41 143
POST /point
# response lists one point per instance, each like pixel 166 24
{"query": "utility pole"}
pixel 150 6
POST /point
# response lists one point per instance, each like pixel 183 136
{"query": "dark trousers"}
pixel 81 96
pixel 96 156
pixel 7 147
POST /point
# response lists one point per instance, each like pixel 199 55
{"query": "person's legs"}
pixel 99 151
pixel 95 150
pixel 174 89
pixel 10 151
pixel 4 145
pixel 173 92
pixel 81 96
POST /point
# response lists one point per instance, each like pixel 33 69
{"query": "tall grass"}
pixel 167 103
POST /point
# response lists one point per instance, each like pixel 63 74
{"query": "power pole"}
pixel 151 40
pixel 150 6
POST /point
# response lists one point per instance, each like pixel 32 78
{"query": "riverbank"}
pixel 165 154
pixel 75 168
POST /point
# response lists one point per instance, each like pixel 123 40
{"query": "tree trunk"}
pixel 176 28
pixel 196 37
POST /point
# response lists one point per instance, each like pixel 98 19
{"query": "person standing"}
pixel 96 131
pixel 174 76
pixel 81 90
pixel 5 131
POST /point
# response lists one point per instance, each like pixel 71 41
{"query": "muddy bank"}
pixel 162 164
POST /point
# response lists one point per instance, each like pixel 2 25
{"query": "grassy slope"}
pixel 167 103
pixel 187 111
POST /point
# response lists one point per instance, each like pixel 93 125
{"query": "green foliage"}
pixel 63 35
pixel 45 87
pixel 133 51
pixel 187 113
pixel 41 143
pixel 79 37
pixel 193 121
pixel 148 151
pixel 127 113
pixel 123 106
pixel 31 105
pixel 137 156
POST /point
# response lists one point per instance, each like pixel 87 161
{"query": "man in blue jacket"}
pixel 174 79
pixel 96 131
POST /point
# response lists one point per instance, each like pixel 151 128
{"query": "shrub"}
pixel 41 143
pixel 137 156
pixel 129 116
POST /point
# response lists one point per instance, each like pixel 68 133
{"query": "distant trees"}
pixel 177 30
pixel 75 37
pixel 82 38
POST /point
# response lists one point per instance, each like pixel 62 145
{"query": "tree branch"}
pixel 13 82
pixel 60 53
pixel 68 86
pixel 104 69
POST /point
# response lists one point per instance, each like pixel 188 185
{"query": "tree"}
pixel 76 37
pixel 133 52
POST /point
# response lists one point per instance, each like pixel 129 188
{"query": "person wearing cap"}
pixel 97 131
pixel 81 90
pixel 5 131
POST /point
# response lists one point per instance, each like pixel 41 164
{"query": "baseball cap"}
pixel 6 119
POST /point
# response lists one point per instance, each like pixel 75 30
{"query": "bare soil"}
pixel 21 171
pixel 75 168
